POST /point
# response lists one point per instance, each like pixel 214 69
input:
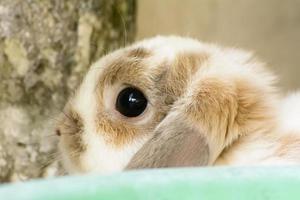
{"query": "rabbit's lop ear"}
pixel 176 143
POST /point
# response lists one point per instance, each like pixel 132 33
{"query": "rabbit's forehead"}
pixel 145 61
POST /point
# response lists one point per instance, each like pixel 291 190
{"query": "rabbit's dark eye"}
pixel 131 102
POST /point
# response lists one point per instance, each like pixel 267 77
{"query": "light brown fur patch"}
pixel 124 70
pixel 119 132
pixel 115 132
pixel 214 106
pixel 228 108
pixel 139 53
pixel 178 74
pixel 289 145
pixel 71 128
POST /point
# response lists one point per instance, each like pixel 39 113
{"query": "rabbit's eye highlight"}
pixel 131 102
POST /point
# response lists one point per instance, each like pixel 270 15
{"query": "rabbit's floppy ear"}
pixel 175 143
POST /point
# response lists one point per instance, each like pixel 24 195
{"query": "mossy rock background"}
pixel 45 49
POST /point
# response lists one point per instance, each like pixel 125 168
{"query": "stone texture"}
pixel 45 48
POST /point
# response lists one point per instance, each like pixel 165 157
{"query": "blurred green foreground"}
pixel 188 183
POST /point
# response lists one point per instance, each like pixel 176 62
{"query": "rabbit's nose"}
pixel 58 132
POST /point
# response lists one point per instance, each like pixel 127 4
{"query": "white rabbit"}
pixel 171 102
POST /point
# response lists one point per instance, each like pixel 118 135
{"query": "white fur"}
pixel 290 113
pixel 260 151
pixel 166 48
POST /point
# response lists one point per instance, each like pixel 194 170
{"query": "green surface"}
pixel 189 183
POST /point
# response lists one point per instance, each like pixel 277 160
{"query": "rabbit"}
pixel 171 101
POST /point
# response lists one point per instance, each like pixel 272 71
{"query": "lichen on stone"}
pixel 45 49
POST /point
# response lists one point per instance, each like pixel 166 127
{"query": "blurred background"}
pixel 270 28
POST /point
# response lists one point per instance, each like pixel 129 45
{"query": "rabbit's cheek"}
pixel 70 152
pixel 102 156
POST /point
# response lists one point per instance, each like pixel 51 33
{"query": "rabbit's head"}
pixel 164 102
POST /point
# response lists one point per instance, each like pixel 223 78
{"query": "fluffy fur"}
pixel 224 95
